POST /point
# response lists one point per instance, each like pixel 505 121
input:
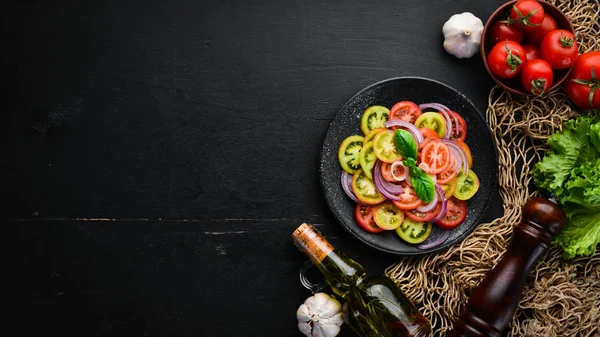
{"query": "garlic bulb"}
pixel 462 35
pixel 320 316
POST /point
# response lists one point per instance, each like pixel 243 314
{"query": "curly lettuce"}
pixel 571 171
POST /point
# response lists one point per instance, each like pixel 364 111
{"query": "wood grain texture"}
pixel 191 132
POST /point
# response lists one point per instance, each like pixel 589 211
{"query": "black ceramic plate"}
pixel 387 93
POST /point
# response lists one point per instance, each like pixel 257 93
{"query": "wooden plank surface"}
pixel 156 155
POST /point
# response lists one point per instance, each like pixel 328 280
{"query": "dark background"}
pixel 156 155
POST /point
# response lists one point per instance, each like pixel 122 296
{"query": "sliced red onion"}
pixel 404 172
pixel 456 162
pixel 429 206
pixel 445 112
pixel 414 131
pixel 442 198
pixel 386 188
pixel 436 238
pixel 347 185
pixel 461 153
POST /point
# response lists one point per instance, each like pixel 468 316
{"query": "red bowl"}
pixel 514 85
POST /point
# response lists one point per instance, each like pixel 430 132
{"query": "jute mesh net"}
pixel 561 298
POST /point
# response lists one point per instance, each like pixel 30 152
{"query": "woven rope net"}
pixel 561 298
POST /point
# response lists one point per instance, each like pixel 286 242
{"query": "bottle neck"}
pixel 341 272
pixel 309 241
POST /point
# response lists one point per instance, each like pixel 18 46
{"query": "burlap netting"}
pixel 561 298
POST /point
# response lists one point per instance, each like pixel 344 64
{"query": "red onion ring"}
pixel 386 188
pixel 414 131
pixel 347 185
pixel 463 156
pixel 436 238
pixel 456 159
pixel 404 172
pixel 429 206
pixel 442 197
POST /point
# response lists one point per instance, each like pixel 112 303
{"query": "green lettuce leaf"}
pixel 571 170
pixel 581 235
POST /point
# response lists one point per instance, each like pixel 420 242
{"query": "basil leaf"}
pixel 409 162
pixel 405 143
pixel 422 183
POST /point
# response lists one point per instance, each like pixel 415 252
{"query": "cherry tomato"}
pixel 559 48
pixel 408 198
pixel 537 76
pixel 415 215
pixel 456 212
pixel 531 52
pixel 537 35
pixel 387 216
pixel 436 156
pixel 406 111
pixel 506 59
pixel 365 190
pixel 428 135
pixel 502 31
pixel 527 15
pixel 461 131
pixel 364 217
pixel 583 85
pixel 386 171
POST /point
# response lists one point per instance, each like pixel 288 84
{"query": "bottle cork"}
pixel 308 240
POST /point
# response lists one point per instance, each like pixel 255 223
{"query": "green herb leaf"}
pixel 422 183
pixel 406 144
pixel 571 170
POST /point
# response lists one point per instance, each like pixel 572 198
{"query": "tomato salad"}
pixel 409 170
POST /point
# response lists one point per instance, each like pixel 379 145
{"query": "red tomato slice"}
pixel 415 215
pixel 364 218
pixel 437 156
pixel 461 133
pixel 406 111
pixel 408 198
pixel 428 135
pixel 456 212
pixel 446 175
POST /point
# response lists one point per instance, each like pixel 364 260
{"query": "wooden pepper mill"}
pixel 494 301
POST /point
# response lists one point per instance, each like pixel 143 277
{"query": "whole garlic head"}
pixel 462 35
pixel 320 316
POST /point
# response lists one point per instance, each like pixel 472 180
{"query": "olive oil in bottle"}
pixel 373 305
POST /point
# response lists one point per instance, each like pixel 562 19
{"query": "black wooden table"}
pixel 157 155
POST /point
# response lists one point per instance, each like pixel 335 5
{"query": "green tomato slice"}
pixel 367 159
pixel 384 147
pixel 365 190
pixel 413 231
pixel 371 135
pixel 433 121
pixel 348 153
pixel 374 117
pixel 387 216
pixel 466 185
